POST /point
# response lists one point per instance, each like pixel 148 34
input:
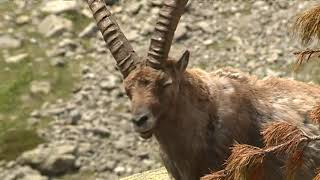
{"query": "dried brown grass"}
pixel 307 25
pixel 282 134
pixel 304 56
pixel 246 161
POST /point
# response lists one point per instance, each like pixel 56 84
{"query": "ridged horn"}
pixel 161 40
pixel 116 42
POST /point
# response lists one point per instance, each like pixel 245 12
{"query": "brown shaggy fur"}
pixel 202 114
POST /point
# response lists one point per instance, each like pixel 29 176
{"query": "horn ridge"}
pixel 162 37
pixel 116 41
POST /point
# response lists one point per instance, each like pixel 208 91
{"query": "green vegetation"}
pixel 16 99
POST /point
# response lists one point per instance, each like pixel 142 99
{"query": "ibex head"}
pixel 152 82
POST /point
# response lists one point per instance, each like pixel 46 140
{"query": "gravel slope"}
pixel 91 130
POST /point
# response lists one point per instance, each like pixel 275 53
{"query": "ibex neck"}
pixel 199 130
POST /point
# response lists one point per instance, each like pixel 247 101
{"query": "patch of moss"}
pixel 16 141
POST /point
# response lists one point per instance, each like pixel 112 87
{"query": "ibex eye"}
pixel 144 82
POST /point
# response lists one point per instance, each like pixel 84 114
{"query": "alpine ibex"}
pixel 195 115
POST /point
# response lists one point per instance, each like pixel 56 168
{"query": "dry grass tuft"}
pixel 304 56
pixel 282 134
pixel 307 24
pixel 315 114
pixel 244 162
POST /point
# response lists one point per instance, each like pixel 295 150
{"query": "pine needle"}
pixel 244 161
pixel 304 56
pixel 307 25
pixel 284 134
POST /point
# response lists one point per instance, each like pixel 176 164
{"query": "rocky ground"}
pixel 90 136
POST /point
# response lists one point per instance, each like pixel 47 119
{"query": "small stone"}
pixel 132 35
pixel 110 83
pixel 16 59
pixel 68 44
pixel 156 3
pixel 119 170
pixel 52 160
pixel 57 62
pixel 40 87
pixel 23 19
pixel 181 32
pixel 59 6
pixel 34 177
pixel 53 25
pixel 204 26
pixel 9 42
pixel 134 8
pixel 89 31
pixel 208 42
pixel 101 131
pixel 75 117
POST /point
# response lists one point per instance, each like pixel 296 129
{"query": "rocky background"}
pixel 63 112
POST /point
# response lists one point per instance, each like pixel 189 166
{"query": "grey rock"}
pixel 59 6
pixel 53 160
pixel 9 42
pixel 134 8
pixel 89 31
pixel 40 87
pixel 68 44
pixel 110 83
pixel 133 35
pixel 23 19
pixel 17 58
pixel 75 116
pixel 57 62
pixel 181 32
pixel 54 25
pixel 22 173
pixel 119 170
pixel 34 177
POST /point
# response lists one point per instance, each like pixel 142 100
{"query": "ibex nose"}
pixel 140 120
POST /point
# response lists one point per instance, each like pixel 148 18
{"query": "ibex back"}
pixel 196 116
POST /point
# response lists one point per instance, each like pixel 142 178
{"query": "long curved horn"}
pixel 117 43
pixel 161 40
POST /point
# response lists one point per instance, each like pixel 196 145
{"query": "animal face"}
pixel 152 83
pixel 153 92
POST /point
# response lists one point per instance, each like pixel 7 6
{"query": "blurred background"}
pixel 63 111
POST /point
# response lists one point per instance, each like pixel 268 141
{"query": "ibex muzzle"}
pixel 194 115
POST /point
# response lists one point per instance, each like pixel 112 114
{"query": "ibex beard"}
pixel 196 116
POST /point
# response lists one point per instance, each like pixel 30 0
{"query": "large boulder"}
pixel 59 6
pixel 54 25
pixel 52 160
pixel 9 42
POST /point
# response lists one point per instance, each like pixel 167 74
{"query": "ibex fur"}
pixel 196 116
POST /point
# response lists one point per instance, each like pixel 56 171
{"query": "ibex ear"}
pixel 183 62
